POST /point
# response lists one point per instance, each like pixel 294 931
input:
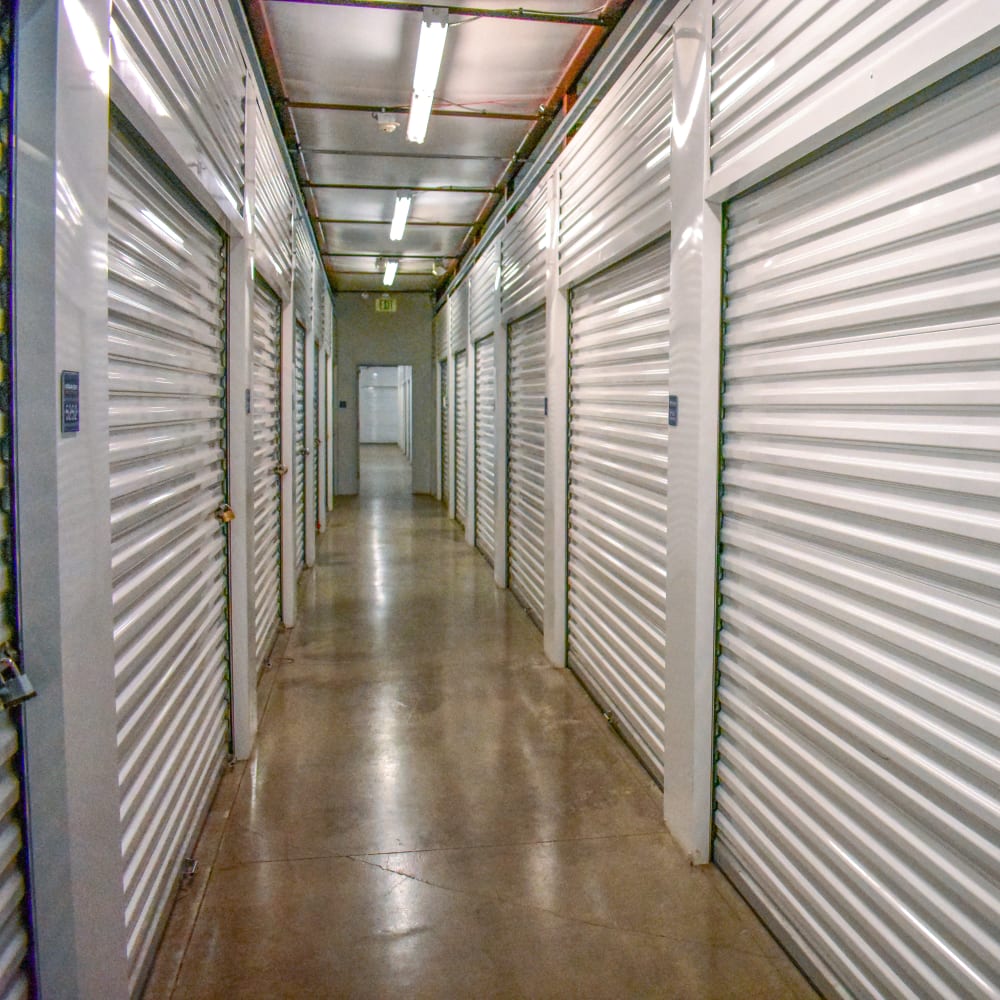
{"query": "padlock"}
pixel 16 687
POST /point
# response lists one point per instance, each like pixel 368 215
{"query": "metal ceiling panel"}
pixel 334 66
pixel 349 282
pixel 404 171
pixel 323 129
pixel 349 203
pixel 348 237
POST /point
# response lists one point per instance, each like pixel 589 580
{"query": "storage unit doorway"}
pixel 617 540
pixel 858 777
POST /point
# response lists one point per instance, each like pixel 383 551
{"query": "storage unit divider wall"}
pixel 266 471
pixel 167 421
pixel 858 798
pixel 461 461
pixel 526 463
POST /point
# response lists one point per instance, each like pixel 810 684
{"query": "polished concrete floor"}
pixel 432 810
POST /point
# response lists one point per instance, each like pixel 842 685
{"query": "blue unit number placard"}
pixel 70 402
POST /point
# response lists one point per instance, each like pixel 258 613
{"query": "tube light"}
pixel 391 268
pixel 399 214
pixel 430 52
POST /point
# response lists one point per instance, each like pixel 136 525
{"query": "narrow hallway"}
pixel 432 810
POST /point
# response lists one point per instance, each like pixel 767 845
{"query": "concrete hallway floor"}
pixel 433 810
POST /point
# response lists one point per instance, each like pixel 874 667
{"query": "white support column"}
pixel 310 450
pixel 239 382
pixel 556 438
pixel 288 581
pixel 696 283
pixel 62 482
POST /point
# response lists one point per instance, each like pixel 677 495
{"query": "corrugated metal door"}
pixel 486 401
pixel 266 470
pixel 619 350
pixel 526 463
pixel 461 434
pixel 445 452
pixel 14 935
pixel 301 448
pixel 858 799
pixel 169 562
pixel 317 438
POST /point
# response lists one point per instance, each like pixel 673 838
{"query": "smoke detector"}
pixel 387 123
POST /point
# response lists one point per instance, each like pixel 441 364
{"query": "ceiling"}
pixel 331 66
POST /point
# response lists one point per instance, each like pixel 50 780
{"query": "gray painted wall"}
pixel 365 337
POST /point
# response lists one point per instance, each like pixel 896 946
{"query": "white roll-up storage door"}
pixel 301 447
pixel 526 463
pixel 13 924
pixel 858 747
pixel 617 545
pixel 317 437
pixel 266 470
pixel 445 449
pixel 486 399
pixel 461 435
pixel 167 300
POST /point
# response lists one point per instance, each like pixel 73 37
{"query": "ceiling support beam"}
pixel 511 14
pixel 442 189
pixel 446 112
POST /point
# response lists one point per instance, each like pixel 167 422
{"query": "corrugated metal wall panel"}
pixel 445 443
pixel 526 463
pixel 304 277
pixel 167 297
pixel 614 178
pixel 858 798
pixel 486 401
pixel 458 317
pixel 461 434
pixel 441 341
pixel 301 446
pixel 779 65
pixel 266 470
pixel 525 242
pixel 273 204
pixel 617 539
pixel 484 278
pixel 13 922
pixel 185 59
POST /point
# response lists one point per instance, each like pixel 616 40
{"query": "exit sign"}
pixel 385 304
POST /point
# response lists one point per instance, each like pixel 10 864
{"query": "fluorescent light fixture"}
pixel 399 214
pixel 391 267
pixel 430 52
